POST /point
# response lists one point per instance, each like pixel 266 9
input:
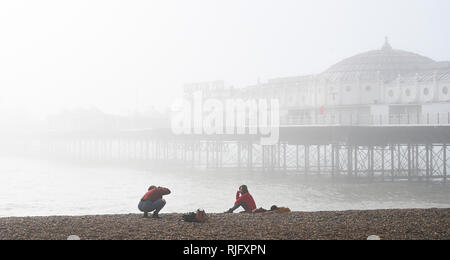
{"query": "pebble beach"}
pixel 409 224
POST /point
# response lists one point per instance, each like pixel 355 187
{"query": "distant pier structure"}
pixel 380 115
pixel 385 153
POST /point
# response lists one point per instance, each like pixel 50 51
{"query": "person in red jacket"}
pixel 153 201
pixel 244 200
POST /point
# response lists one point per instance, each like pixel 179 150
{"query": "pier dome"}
pixel 384 64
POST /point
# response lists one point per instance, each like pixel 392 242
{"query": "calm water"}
pixel 39 188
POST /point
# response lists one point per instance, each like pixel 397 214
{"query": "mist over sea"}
pixel 32 187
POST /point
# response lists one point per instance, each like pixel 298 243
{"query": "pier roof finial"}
pixel 386 46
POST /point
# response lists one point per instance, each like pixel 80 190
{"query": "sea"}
pixel 38 187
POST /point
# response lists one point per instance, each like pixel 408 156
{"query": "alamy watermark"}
pixel 213 116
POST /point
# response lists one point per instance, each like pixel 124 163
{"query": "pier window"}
pixel 408 92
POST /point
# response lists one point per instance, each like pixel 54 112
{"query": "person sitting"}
pixel 244 200
pixel 153 201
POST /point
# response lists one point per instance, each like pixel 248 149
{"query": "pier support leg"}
pixel 445 163
pixel 355 169
pixel 392 162
pixel 207 154
pixel 409 163
pixel 383 153
pixel 318 159
pixel 306 159
pixel 238 155
pixel 349 161
pixel 332 160
pixel 250 156
pixel 427 162
pixel 431 162
pixel 371 163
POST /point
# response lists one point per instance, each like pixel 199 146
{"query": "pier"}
pixel 379 153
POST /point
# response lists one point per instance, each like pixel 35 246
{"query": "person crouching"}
pixel 153 201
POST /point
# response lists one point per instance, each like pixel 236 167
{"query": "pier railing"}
pixel 354 119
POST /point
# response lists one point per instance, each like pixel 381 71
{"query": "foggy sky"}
pixel 119 55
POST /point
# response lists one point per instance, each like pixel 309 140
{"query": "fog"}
pixel 88 87
pixel 119 56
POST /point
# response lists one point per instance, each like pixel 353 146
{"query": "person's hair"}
pixel 244 188
pixel 152 187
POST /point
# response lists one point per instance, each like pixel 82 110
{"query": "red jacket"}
pixel 246 199
pixel 156 194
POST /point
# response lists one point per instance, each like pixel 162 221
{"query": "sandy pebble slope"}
pixel 388 224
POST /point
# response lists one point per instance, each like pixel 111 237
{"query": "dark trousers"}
pixel 149 206
pixel 237 205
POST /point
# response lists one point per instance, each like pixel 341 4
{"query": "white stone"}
pixel 373 237
pixel 73 237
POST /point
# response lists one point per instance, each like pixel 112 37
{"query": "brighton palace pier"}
pixel 381 115
pixel 384 86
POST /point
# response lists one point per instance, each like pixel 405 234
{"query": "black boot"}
pixel 155 215
pixel 145 214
